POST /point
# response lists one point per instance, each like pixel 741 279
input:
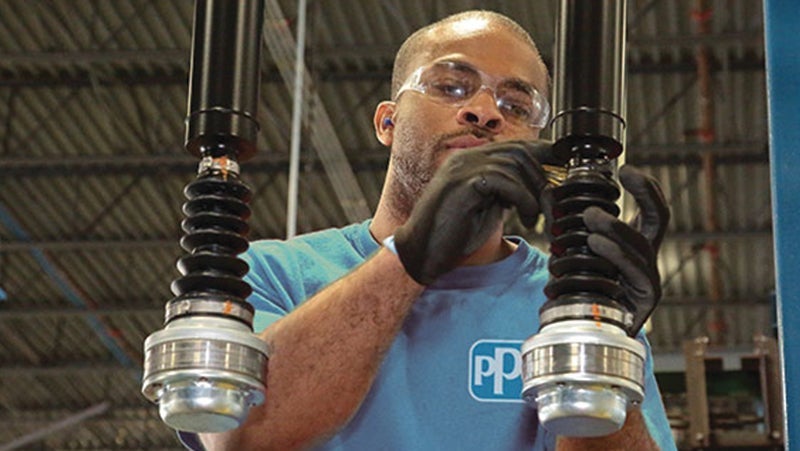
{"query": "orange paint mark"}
pixel 596 314
pixel 223 165
pixel 228 308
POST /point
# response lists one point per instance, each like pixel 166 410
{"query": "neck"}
pixel 389 215
pixel 494 249
pixel 385 221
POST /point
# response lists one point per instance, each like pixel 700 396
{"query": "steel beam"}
pixel 88 245
pixel 177 57
pixel 717 40
pixel 163 72
pixel 753 300
pixel 30 313
pixel 746 152
pixel 723 235
pixel 51 59
pixel 61 371
pixel 699 433
pixel 52 428
pixel 714 40
pixel 675 362
pixel 158 165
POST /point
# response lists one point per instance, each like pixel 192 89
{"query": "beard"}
pixel 412 171
pixel 414 163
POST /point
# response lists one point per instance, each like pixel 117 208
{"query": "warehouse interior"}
pixel 93 97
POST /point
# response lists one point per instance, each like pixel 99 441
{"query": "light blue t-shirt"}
pixel 452 378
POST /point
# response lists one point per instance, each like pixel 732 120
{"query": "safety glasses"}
pixel 455 83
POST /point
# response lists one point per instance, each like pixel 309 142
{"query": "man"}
pixel 385 347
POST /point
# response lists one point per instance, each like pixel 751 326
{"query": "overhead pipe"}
pixel 56 427
pixel 323 136
pixel 297 123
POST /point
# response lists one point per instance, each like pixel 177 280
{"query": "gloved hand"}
pixel 631 247
pixel 463 203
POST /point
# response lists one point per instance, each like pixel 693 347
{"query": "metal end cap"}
pixel 204 408
pixel 582 412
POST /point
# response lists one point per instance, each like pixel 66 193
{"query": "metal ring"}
pixel 204 306
pixel 593 310
pixel 222 164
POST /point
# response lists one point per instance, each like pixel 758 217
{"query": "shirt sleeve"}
pixel 271 270
pixel 190 441
pixel 284 274
pixel 655 416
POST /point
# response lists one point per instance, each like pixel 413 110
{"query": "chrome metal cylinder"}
pixel 205 373
pixel 583 376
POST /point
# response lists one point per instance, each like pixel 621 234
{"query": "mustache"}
pixel 475 131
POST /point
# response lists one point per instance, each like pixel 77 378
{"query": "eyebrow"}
pixel 459 66
pixel 518 83
pixel 513 82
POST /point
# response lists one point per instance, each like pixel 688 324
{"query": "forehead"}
pixel 492 49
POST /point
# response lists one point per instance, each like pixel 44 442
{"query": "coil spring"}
pixel 215 228
pixel 578 276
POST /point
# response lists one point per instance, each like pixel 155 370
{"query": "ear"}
pixel 384 129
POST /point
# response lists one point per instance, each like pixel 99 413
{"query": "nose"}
pixel 481 110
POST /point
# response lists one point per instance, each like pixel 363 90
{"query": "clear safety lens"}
pixel 456 83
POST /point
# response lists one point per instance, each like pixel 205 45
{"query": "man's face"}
pixel 427 131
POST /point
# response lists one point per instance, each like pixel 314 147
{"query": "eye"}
pixel 515 108
pixel 451 88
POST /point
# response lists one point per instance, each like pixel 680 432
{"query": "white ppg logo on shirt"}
pixel 495 370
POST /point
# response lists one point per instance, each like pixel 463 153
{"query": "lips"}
pixel 465 141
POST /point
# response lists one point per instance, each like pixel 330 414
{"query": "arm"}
pixel 324 355
pixel 341 333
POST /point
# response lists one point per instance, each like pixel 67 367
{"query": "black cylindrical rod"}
pixel 224 78
pixel 590 66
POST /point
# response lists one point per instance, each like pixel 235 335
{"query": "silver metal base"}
pixel 582 411
pixel 204 406
pixel 205 373
pixel 583 376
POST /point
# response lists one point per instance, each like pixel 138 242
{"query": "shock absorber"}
pixel 584 369
pixel 206 368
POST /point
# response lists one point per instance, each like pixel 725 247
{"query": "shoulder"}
pixel 287 272
pixel 534 258
pixel 323 244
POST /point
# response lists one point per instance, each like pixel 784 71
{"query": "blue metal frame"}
pixel 782 28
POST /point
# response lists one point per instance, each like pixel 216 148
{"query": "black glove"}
pixel 464 202
pixel 632 248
